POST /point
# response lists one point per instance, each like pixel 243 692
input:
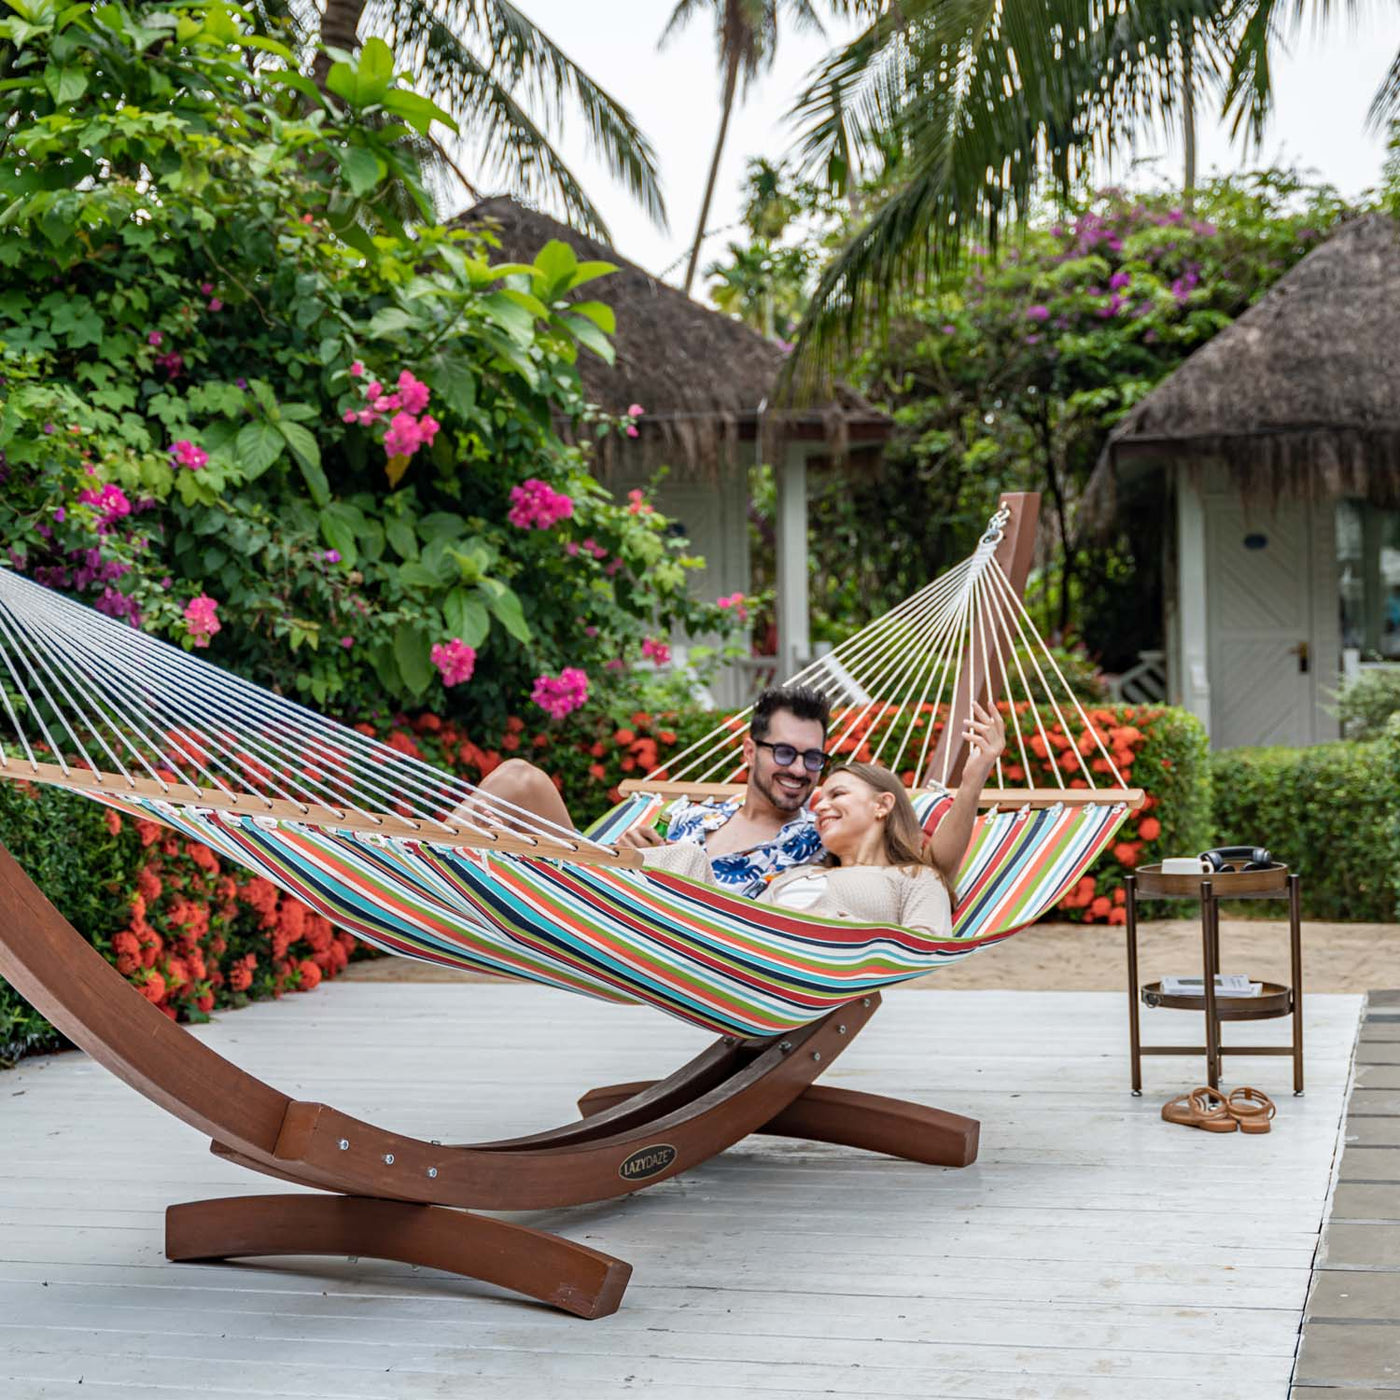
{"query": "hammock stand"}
pixel 414 1201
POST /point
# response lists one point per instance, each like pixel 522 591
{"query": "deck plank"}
pixel 1092 1251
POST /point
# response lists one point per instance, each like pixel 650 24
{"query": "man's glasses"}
pixel 785 755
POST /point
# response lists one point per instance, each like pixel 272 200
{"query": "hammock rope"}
pixel 423 863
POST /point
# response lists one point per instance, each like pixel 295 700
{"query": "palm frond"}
pixel 1385 106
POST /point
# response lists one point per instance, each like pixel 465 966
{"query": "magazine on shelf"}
pixel 1227 984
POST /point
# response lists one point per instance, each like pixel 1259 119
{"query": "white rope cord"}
pixel 720 739
pixel 112 691
pixel 1013 709
pixel 366 755
pixel 1023 623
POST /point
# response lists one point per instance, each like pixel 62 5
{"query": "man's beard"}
pixel 780 798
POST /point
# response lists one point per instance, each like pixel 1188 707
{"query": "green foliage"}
pixel 1010 376
pixel 1366 703
pixel 197 251
pixel 1330 812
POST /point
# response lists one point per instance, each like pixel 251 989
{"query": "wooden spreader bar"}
pixel 991 797
pixel 442 833
pixel 401 1198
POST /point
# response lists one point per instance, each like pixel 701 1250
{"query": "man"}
pixel 748 840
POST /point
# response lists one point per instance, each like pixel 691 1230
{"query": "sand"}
pixel 1091 958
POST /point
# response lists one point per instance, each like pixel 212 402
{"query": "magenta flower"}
pixel 1037 313
pixel 403 437
pixel 455 661
pixel 349 416
pixel 616 664
pixel 331 556
pixel 201 621
pixel 347 642
pixel 60 515
pixel 535 505
pixel 215 304
pixel 657 650
pixel 738 602
pixel 561 695
pixel 110 503
pixel 357 369
pixel 187 455
pixel 635 410
pixel 206 288
pixel 1119 280
pixel 154 338
pixel 413 393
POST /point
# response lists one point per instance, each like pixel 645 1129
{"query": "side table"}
pixel 1274 999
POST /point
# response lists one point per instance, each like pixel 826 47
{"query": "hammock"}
pixel 376 841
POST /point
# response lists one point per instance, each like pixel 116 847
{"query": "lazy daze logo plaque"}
pixel 647 1162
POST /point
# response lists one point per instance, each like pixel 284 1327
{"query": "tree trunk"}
pixel 731 79
pixel 1188 122
pixel 340 27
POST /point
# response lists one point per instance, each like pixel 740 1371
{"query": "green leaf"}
pixel 442 524
pixel 257 446
pixel 507 608
pixel 307 451
pixel 403 537
pixel 452 377
pixel 417 575
pixel 418 111
pixel 412 651
pixel 466 616
pixel 599 312
pixel 389 319
pixel 339 533
pixel 363 169
pixel 512 318
pixel 587 334
pixel 556 262
pixel 590 272
pixel 65 85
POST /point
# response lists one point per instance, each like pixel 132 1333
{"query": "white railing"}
pixel 1142 684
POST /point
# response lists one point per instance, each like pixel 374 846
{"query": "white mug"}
pixel 1184 865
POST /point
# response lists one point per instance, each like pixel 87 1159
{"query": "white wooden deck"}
pixel 1093 1252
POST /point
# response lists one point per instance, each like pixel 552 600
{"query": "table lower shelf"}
pixel 1274 1000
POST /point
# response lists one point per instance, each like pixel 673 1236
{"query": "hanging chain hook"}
pixel 996 526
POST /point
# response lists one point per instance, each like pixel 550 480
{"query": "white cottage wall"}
pixel 1254 639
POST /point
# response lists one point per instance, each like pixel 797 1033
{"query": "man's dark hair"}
pixel 802 701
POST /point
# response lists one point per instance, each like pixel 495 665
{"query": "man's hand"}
pixel 640 837
pixel 986 733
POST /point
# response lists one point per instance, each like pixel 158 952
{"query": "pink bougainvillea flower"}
pixel 1037 313
pixel 308 218
pixel 349 416
pixel 347 642
pixel 536 505
pixel 331 556
pixel 616 664
pixel 632 431
pixel 738 602
pixel 413 393
pixel 404 436
pixel 657 650
pixel 561 695
pixel 635 410
pixel 201 621
pixel 455 661
pixel 571 549
pixel 154 337
pixel 637 503
pixel 215 304
pixel 187 455
pixel 357 369
pixel 206 288
pixel 110 503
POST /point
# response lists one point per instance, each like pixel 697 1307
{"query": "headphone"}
pixel 1237 858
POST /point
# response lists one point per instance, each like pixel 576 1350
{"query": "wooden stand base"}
pixel 392 1192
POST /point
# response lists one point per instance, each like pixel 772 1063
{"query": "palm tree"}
pixel 966 109
pixel 507 84
pixel 746 32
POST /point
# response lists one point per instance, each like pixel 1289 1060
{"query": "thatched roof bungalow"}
pixel 709 385
pixel 1279 443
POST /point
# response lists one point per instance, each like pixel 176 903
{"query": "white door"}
pixel 1260 598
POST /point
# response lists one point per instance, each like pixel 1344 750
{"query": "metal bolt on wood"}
pixel 388 1159
pixel 345 1144
pixel 432 1172
pixel 817 1055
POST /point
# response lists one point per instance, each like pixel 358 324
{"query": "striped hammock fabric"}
pixel 719 961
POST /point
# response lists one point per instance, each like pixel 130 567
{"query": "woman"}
pixel 876 870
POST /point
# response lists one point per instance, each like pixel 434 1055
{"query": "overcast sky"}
pixel 1324 87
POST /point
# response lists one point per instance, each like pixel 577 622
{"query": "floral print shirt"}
pixel 746 872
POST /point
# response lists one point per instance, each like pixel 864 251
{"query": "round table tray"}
pixel 1242 884
pixel 1274 999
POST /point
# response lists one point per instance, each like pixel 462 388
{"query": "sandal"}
pixel 1202 1108
pixel 1251 1109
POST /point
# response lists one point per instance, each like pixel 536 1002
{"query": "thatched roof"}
pixel 707 381
pixel 1301 396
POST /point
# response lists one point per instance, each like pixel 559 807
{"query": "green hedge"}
pixel 1331 812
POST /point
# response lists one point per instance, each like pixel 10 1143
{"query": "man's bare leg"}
pixel 522 785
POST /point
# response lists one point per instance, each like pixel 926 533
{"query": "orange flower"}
pixel 598 749
pixel 514 724
pixel 623 737
pixel 641 719
pixel 1101 908
pixel 510 742
pixel 1149 828
pixel 113 821
pixel 666 736
pixel 310 975
pixel 540 741
pixel 1126 852
pixel 1120 895
pixel 1118 916
pixel 153 988
pixel 597 772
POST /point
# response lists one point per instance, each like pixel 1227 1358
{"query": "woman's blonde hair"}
pixel 904 837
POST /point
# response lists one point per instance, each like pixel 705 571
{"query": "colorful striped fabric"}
pixel 717 960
